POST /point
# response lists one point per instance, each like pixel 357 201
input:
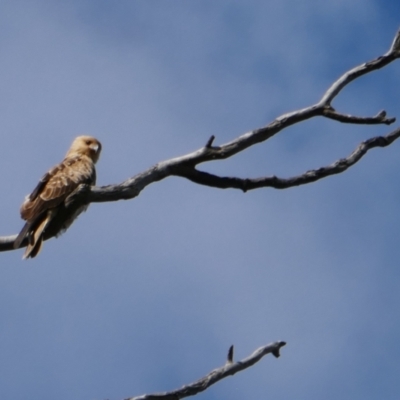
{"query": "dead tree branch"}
pixel 230 368
pixel 339 166
pixel 185 166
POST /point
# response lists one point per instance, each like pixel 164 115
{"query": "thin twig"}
pixel 230 355
pixel 380 118
pixel 358 71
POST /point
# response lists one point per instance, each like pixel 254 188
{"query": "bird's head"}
pixel 85 145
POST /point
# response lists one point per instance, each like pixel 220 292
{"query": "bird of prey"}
pixel 44 210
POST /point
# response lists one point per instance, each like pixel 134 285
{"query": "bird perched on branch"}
pixel 45 210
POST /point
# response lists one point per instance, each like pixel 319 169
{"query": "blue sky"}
pixel 147 295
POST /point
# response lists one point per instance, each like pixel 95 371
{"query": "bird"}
pixel 45 210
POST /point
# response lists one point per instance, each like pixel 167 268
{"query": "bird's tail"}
pixel 21 236
pixel 36 238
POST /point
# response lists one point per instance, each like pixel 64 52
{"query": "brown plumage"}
pixel 44 209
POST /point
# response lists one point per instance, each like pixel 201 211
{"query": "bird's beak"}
pixel 94 147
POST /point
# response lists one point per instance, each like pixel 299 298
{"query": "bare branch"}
pixel 215 375
pixel 395 47
pixel 361 70
pixel 185 166
pixel 339 166
pixel 380 118
pixel 7 242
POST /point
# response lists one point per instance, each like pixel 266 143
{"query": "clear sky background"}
pixel 147 295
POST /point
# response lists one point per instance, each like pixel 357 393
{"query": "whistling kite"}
pixel 44 210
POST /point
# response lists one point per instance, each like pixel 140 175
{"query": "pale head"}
pixel 85 145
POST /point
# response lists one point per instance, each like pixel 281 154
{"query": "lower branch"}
pixel 230 368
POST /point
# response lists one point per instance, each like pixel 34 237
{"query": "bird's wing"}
pixel 57 184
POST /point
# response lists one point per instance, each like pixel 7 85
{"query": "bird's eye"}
pixel 88 142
